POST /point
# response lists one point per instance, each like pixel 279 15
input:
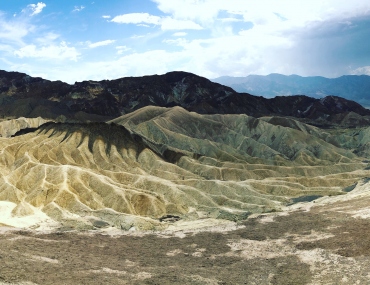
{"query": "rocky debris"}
pixel 169 218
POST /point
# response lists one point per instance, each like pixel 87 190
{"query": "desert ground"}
pixel 325 241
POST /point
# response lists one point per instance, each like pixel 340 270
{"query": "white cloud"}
pixel 136 18
pixel 36 8
pixel 173 24
pixel 78 8
pixel 167 23
pixel 122 49
pixel 208 58
pixel 177 42
pixel 106 16
pixel 361 70
pixel 48 38
pixel 193 9
pixel 59 52
pixel 137 36
pixel 6 48
pixel 226 20
pixel 271 41
pixel 14 31
pixel 6 61
pixel 179 34
pixel 135 64
pixel 264 12
pixel 101 43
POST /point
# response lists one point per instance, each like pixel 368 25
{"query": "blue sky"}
pixel 81 40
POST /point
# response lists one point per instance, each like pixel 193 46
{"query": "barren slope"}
pixel 168 163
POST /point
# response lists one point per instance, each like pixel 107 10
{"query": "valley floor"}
pixel 321 242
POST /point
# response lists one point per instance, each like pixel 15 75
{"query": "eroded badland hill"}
pixel 173 179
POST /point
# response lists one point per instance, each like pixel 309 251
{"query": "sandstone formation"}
pixel 12 127
pixel 145 168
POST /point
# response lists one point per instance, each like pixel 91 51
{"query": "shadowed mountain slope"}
pixel 22 95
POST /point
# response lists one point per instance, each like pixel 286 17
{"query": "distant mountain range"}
pixel 352 87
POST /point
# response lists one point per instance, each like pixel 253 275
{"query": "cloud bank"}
pixel 207 37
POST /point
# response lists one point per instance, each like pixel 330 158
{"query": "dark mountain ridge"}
pixel 22 95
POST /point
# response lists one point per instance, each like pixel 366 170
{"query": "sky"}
pixel 76 40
